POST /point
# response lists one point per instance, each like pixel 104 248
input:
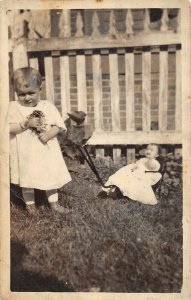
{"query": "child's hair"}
pixel 26 77
pixel 158 147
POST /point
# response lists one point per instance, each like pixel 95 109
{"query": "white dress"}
pixel 32 163
pixel 135 183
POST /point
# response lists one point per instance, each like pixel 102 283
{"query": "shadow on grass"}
pixel 26 281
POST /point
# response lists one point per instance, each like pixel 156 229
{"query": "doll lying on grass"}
pixel 135 180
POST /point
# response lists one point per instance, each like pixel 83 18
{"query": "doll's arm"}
pixel 45 136
pixel 134 166
pixel 153 165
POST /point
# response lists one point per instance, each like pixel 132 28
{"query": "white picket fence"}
pixel 26 51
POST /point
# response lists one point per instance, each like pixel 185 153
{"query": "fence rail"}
pixel 34 28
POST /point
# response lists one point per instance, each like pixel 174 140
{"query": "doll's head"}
pixel 27 84
pixel 152 151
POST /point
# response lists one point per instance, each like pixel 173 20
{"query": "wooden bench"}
pixel 117 140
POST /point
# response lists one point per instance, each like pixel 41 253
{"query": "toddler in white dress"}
pixel 135 180
pixel 36 161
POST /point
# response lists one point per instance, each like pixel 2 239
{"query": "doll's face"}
pixel 151 151
pixel 28 96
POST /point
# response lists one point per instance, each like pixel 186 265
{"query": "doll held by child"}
pixel 135 180
pixel 36 161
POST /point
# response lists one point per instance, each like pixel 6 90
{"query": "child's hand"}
pixel 44 137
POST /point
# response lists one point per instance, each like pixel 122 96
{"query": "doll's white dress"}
pixel 32 163
pixel 135 183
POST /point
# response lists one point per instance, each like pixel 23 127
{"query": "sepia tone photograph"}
pixel 95 158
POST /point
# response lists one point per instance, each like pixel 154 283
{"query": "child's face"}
pixel 151 151
pixel 28 96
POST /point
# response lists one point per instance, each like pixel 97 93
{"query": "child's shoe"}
pixel 31 209
pixel 58 208
pixel 102 194
pixel 115 193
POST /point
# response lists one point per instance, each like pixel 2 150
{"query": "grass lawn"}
pixel 102 245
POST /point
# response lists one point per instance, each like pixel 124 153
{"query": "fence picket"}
pixel 65 85
pixel 79 25
pixel 33 63
pixel 178 28
pixel 163 90
pixel 65 23
pixel 112 24
pixel 164 21
pixel 146 90
pixel 129 78
pixel 97 91
pixel 95 25
pixel 129 22
pixel 39 24
pixel 146 22
pixel 114 86
pixel 49 79
pixel 81 82
pixel 178 103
